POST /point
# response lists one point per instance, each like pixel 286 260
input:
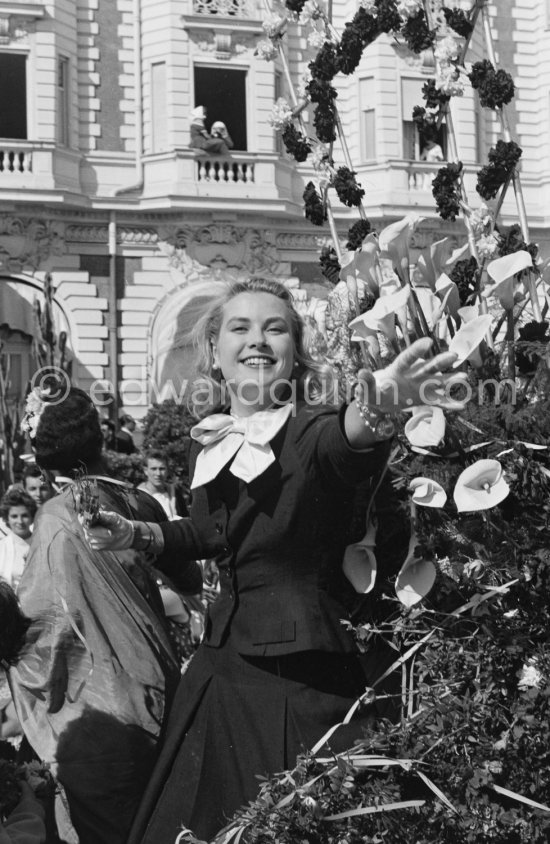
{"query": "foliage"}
pixel 166 427
pixel 125 467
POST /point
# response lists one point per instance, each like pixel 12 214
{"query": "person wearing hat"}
pixel 201 138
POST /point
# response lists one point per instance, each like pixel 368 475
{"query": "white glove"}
pixel 112 533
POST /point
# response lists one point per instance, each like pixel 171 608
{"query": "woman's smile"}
pixel 254 350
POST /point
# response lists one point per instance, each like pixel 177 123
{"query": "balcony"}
pixel 242 179
pixel 35 167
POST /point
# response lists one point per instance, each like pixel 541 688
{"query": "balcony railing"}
pixel 37 165
pixel 14 160
pixel 216 169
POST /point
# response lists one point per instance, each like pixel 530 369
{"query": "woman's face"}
pixel 254 350
pixel 20 521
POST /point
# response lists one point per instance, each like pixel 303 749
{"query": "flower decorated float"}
pixel 466 609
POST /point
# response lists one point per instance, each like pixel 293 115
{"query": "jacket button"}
pixel 219 527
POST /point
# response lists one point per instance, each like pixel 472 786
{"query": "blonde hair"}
pixel 208 383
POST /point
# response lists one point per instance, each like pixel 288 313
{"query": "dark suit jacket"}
pixel 125 443
pixel 279 541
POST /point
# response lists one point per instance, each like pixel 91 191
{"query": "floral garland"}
pixel 357 233
pixel 314 208
pixel 295 143
pixel 495 87
pixel 502 162
pixel 446 190
pixel 345 184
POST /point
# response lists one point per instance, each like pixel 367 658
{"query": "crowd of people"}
pixel 138 746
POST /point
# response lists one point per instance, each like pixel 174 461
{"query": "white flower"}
pixel 301 92
pixel 266 50
pixel 447 49
pixel 480 218
pixel 530 677
pixel 312 10
pixel 273 24
pixel 369 6
pixel 34 407
pixel 319 155
pixel 449 81
pixel 408 8
pixel 281 114
pixel 487 245
pixel 317 38
pixel 426 427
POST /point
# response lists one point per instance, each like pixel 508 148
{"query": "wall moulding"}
pixel 26 242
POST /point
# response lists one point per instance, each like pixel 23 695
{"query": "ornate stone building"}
pixel 98 185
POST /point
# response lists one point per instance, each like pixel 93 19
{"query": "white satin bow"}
pixel 247 437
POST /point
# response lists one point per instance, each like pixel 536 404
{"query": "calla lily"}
pixel 359 564
pixel 427 492
pixel 426 428
pixel 502 271
pixel 509 265
pixel 431 305
pixel 394 241
pixel 480 487
pixel 468 312
pixel 468 337
pixel 459 254
pixel 432 261
pixel 362 266
pixel 415 578
pixel 447 291
pixel 382 316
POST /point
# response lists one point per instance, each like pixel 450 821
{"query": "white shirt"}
pixel 166 498
pixel 13 555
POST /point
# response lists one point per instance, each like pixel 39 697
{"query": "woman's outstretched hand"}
pixel 111 533
pixel 412 380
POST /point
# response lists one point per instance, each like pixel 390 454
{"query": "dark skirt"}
pixel 235 718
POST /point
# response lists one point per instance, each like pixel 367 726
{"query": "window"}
pixel 13 96
pixel 414 142
pixel 368 123
pixel 159 124
pixel 223 93
pixel 63 101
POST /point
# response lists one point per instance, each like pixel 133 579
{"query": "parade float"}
pixel 466 610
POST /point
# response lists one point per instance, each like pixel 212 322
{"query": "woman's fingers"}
pixel 112 532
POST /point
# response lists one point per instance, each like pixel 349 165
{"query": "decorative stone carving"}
pixel 225 8
pixel 223 43
pixel 299 242
pixel 100 234
pixel 222 247
pixel 26 243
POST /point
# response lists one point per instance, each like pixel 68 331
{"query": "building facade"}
pixel 100 188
